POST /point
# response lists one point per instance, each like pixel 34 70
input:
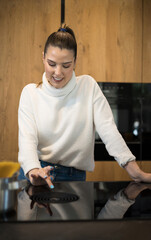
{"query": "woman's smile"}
pixel 57 79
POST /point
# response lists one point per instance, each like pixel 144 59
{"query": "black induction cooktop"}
pixel 80 201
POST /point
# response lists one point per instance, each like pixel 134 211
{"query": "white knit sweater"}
pixel 58 125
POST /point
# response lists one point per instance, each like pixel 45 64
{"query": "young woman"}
pixel 59 116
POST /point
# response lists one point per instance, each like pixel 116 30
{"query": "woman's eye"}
pixel 66 66
pixel 52 64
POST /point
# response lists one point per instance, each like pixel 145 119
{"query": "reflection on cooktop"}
pixel 53 197
pixel 82 201
pixel 67 201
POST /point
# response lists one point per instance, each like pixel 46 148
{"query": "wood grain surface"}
pixel 146 66
pixel 111 171
pixel 25 26
pixel 109 35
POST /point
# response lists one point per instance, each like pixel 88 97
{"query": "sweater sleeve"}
pixel 115 208
pixel 28 139
pixel 107 130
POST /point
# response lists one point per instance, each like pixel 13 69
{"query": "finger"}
pixel 45 205
pixel 51 177
pixel 49 182
pixel 48 169
pixel 47 178
pixel 49 209
pixel 32 204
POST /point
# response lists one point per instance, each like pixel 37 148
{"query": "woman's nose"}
pixel 58 70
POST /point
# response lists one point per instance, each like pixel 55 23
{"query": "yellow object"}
pixel 8 169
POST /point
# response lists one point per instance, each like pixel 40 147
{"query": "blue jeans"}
pixel 60 173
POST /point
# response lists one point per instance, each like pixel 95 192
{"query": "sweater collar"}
pixel 58 92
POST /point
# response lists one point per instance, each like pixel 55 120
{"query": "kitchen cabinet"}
pixel 24 25
pixel 111 171
pixel 146 66
pixel 107 171
pixel 109 36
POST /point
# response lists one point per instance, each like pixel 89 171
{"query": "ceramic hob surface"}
pixel 78 201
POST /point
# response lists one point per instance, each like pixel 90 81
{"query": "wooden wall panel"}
pixel 111 171
pixel 24 27
pixel 147 41
pixel 109 35
pixel 107 171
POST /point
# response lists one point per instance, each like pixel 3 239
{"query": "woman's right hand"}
pixel 41 176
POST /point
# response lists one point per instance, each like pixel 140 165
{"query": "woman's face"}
pixel 59 65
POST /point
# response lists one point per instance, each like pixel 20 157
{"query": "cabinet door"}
pixel 109 36
pixel 111 171
pixel 147 41
pixel 24 25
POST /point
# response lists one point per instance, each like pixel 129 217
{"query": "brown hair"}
pixel 63 38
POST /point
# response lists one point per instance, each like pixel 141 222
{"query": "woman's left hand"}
pixel 135 188
pixel 136 173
